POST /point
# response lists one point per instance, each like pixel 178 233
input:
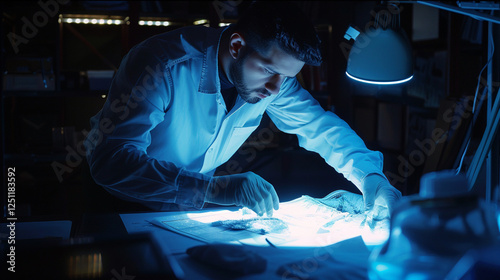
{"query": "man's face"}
pixel 257 76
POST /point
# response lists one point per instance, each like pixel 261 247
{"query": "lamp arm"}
pixel 471 13
pixel 486 142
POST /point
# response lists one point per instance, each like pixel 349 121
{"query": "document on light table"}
pixel 305 221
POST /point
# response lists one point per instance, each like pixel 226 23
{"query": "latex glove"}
pixel 246 189
pixel 377 190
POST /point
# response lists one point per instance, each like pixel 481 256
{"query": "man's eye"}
pixel 268 72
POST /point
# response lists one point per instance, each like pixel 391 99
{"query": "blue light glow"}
pixel 308 222
pixel 498 219
pixel 380 83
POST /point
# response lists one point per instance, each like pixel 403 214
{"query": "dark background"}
pixel 43 129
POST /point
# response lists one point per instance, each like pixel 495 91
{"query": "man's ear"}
pixel 236 43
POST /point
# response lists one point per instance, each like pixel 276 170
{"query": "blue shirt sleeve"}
pixel 295 111
pixel 118 141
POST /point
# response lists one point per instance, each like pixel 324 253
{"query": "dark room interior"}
pixel 58 59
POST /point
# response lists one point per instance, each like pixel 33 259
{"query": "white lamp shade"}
pixel 382 57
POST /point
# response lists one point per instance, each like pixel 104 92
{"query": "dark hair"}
pixel 264 23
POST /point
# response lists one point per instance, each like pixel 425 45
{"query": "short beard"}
pixel 236 72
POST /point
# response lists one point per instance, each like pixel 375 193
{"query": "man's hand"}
pixel 246 189
pixel 376 189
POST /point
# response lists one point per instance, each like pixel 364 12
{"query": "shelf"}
pixel 55 93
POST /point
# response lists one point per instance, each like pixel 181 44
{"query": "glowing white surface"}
pixel 379 83
pixel 311 222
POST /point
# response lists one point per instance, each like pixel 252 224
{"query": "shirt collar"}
pixel 209 82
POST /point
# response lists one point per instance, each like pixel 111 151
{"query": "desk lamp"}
pixel 382 55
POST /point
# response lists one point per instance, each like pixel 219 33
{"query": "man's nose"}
pixel 274 84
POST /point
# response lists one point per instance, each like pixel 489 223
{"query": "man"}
pixel 183 102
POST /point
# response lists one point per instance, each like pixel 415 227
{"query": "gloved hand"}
pixel 376 189
pixel 246 189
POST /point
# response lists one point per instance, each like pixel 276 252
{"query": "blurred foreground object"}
pixel 432 231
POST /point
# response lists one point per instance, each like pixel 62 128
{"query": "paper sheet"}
pixel 305 221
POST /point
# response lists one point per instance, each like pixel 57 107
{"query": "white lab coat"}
pixel 164 128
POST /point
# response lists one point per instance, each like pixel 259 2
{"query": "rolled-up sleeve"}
pixel 295 111
pixel 121 133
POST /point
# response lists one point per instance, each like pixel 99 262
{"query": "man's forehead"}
pixel 280 61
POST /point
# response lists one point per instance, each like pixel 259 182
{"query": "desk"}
pixel 349 258
pixel 121 240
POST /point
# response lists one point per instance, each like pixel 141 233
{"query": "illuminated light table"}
pixel 321 237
